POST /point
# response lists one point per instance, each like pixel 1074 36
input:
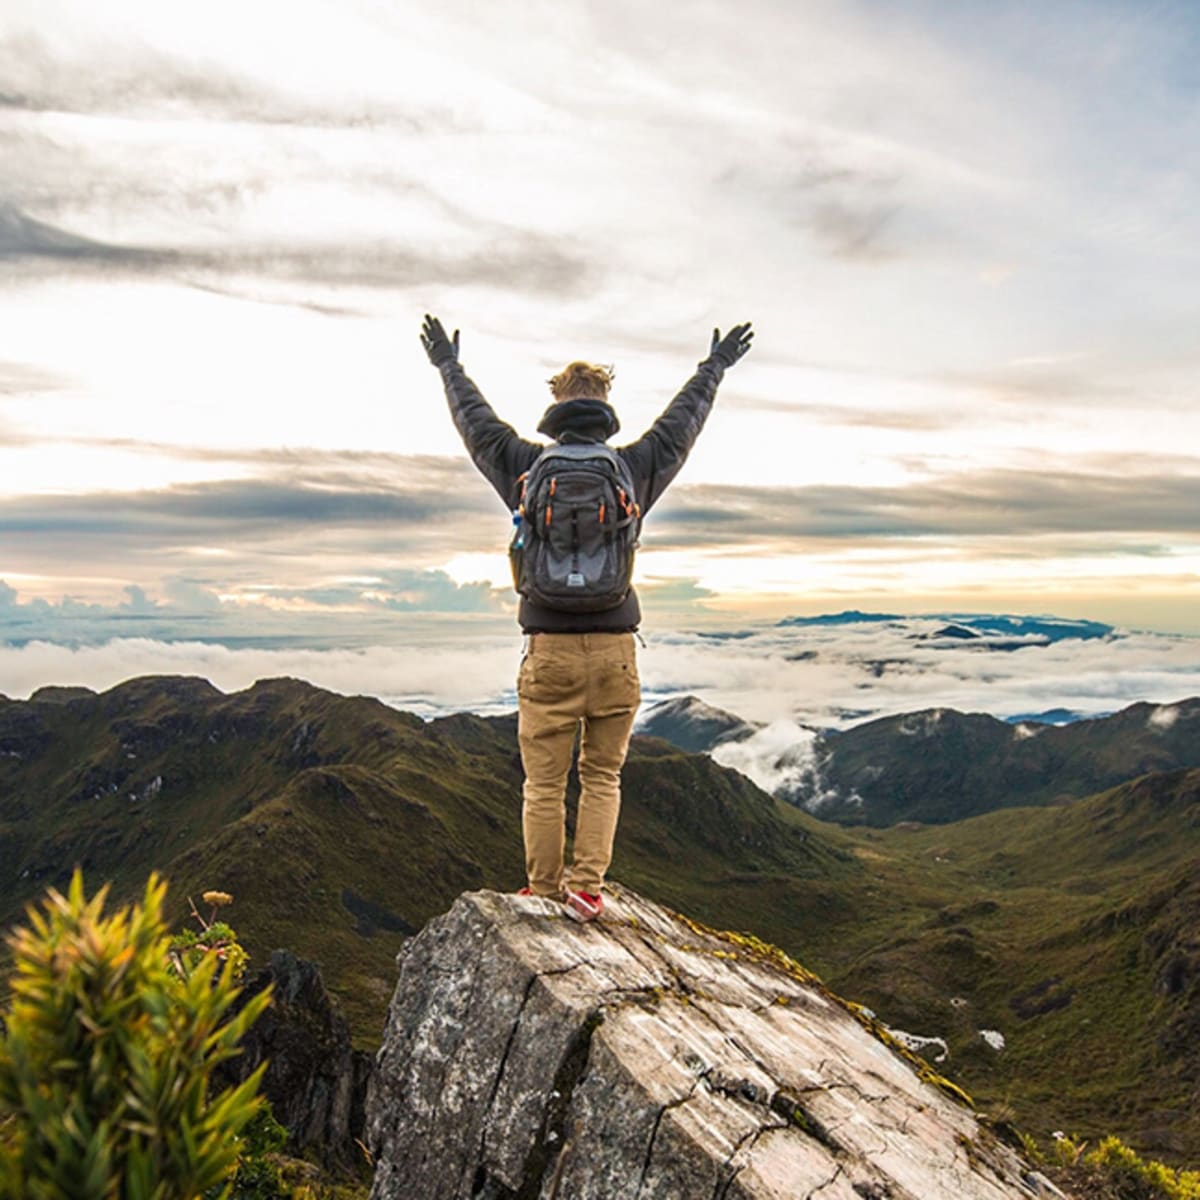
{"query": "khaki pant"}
pixel 570 681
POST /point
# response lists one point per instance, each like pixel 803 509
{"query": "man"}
pixel 580 669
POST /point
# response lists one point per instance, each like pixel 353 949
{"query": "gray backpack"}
pixel 577 528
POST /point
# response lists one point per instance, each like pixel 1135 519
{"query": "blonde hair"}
pixel 581 379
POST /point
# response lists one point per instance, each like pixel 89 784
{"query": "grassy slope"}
pixel 1071 930
pixel 341 825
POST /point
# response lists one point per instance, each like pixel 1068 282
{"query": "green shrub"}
pixel 258 1176
pixel 105 1062
pixel 1113 1171
pixel 1134 1178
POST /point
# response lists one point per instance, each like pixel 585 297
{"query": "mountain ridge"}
pixel 304 803
pixel 939 764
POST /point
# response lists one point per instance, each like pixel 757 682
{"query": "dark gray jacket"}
pixel 503 456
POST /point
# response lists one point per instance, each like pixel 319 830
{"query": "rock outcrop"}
pixel 315 1081
pixel 529 1058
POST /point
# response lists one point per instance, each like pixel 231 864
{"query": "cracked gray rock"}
pixel 527 1057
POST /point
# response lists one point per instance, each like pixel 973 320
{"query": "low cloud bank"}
pixel 837 675
pixel 468 672
pixel 779 757
pixel 817 676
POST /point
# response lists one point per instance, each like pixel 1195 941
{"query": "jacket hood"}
pixel 583 419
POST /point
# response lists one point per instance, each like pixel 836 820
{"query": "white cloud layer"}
pixel 832 676
pixel 429 679
pixel 839 675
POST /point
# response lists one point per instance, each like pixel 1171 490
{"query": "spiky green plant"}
pixel 106 1058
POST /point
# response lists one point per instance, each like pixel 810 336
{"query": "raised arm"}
pixel 656 457
pixel 494 446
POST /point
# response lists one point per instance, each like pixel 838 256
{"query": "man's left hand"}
pixel 733 345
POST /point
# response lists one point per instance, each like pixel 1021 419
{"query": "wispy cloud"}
pixel 524 261
pixel 192 608
pixel 98 72
pixel 849 207
pixel 342 524
pixel 993 504
pixel 1051 381
pixel 22 236
pixel 909 418
pixel 22 379
pixel 857 232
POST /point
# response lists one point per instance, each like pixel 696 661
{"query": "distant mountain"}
pixel 990 629
pixel 692 725
pixel 958 632
pixel 940 765
pixel 1053 716
pixel 851 616
pixel 1046 629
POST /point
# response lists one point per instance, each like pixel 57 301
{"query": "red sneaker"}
pixel 583 906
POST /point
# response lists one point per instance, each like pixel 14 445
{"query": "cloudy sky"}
pixel 968 236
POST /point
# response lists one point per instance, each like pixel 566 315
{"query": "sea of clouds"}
pixel 788 678
pixel 840 674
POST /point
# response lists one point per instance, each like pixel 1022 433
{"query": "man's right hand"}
pixel 733 345
pixel 438 346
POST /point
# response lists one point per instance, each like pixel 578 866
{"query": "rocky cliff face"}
pixel 315 1082
pixel 527 1058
